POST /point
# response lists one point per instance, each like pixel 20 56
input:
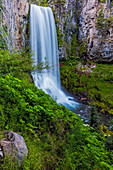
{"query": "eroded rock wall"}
pixel 66 24
pixel 14 22
pixel 89 21
pixel 95 26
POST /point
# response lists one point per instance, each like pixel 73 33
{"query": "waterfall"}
pixel 43 40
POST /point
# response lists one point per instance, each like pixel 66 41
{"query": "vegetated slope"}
pixel 56 137
pixel 96 86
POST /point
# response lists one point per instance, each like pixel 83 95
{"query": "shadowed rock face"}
pixel 66 22
pixel 99 40
pixel 14 20
pixel 83 14
pixel 13 145
pixel 70 15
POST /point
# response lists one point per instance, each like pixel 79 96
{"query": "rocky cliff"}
pixel 87 25
pixel 13 16
pixel 65 18
pixel 96 27
pixel 84 27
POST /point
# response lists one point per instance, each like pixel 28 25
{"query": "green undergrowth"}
pixel 56 138
pixel 20 64
pixel 96 86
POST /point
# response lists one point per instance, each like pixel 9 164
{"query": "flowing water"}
pixel 43 40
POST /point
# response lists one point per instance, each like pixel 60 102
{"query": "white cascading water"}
pixel 43 40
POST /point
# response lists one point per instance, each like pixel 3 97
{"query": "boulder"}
pixel 13 145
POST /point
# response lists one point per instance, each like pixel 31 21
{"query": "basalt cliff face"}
pixel 13 16
pixel 87 21
pixel 96 27
pixel 66 25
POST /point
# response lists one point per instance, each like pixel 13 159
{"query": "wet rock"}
pixel 14 146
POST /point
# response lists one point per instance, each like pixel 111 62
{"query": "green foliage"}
pixel 59 37
pixel 80 147
pixel 74 44
pixel 8 164
pixel 19 65
pixel 2 118
pixel 97 85
pixel 94 118
pixel 15 63
pixel 40 2
pixel 56 137
pixel 16 96
pixel 103 24
pixel 3 44
pixel 3 34
pixel 102 1
pixel 109 146
pixel 109 143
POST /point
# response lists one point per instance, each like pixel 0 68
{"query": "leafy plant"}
pixel 95 86
pixel 55 136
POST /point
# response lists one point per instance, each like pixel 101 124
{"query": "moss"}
pixel 102 1
pixel 103 24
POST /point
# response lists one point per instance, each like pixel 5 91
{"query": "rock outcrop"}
pixel 82 17
pixel 95 26
pixel 64 12
pixel 89 21
pixel 13 145
pixel 14 22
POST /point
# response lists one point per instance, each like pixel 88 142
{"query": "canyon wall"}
pixel 84 27
pixel 65 18
pixel 13 22
pixel 96 27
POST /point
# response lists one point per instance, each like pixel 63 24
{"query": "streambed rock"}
pixel 13 145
